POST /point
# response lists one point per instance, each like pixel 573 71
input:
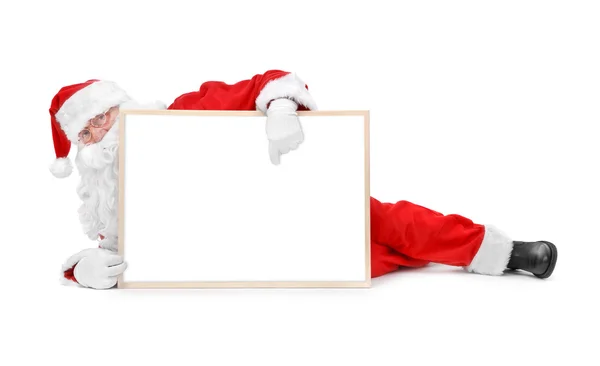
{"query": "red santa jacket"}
pixel 252 94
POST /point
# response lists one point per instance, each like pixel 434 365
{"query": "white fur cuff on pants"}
pixel 494 253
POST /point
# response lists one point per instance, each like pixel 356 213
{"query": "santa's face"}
pixel 97 127
pixel 97 162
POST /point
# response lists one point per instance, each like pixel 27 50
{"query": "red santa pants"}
pixel 407 235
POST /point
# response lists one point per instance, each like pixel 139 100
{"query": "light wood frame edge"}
pixel 121 239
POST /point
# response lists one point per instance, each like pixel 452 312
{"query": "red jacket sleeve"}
pixel 248 95
pixel 70 275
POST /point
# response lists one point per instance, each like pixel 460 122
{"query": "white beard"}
pixel 98 165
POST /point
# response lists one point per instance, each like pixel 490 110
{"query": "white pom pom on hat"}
pixel 70 110
pixel 61 167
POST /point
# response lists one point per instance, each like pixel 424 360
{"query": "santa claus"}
pixel 403 234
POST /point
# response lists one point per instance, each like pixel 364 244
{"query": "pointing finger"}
pixel 274 154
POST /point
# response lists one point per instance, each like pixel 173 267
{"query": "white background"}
pixel 225 213
pixel 487 109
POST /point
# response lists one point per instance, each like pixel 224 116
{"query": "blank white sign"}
pixel 203 206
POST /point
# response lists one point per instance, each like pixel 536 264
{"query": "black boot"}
pixel 538 257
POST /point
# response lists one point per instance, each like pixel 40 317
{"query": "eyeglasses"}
pixel 85 136
pixel 101 120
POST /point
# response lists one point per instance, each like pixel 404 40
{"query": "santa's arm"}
pixel 255 93
pixel 278 94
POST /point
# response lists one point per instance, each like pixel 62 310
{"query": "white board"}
pixel 201 205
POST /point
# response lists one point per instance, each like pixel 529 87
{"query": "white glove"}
pixel 283 128
pixel 96 268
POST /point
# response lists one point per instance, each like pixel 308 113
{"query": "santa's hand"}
pixel 96 268
pixel 283 128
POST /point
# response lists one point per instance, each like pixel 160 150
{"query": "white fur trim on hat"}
pixel 494 253
pixel 88 102
pixel 289 86
pixel 61 167
pixel 133 104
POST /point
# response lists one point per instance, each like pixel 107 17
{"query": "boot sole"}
pixel 554 254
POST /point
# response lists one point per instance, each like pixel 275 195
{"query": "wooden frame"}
pixel 245 284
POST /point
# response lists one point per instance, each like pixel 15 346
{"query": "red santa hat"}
pixel 70 111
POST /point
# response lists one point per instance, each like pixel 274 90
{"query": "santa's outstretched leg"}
pixel 404 234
